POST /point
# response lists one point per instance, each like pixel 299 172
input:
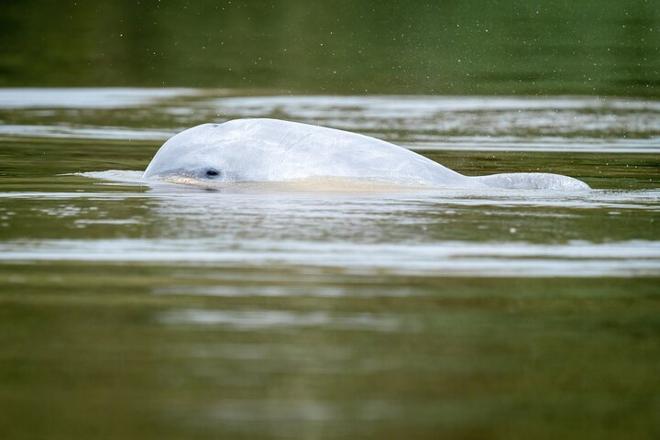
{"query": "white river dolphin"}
pixel 271 150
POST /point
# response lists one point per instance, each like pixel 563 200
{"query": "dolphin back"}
pixel 271 150
pixel 548 181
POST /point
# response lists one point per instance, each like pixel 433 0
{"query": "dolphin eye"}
pixel 212 173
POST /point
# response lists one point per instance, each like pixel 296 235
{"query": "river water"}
pixel 136 311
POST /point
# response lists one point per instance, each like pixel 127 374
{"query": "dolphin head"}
pixel 236 150
pixel 202 153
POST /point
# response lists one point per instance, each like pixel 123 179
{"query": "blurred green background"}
pixel 607 47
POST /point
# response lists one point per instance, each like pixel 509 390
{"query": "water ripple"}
pixel 449 258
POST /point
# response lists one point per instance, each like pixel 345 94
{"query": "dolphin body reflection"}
pixel 271 150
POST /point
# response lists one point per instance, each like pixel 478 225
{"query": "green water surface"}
pixel 128 312
pixel 448 47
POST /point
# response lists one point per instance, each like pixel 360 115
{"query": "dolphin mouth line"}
pixel 324 183
pixel 352 184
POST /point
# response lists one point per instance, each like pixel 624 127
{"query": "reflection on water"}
pixel 423 123
pixel 268 319
pixel 488 233
pixel 84 98
pixel 282 311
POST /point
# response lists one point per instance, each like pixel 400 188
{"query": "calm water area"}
pixel 134 311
